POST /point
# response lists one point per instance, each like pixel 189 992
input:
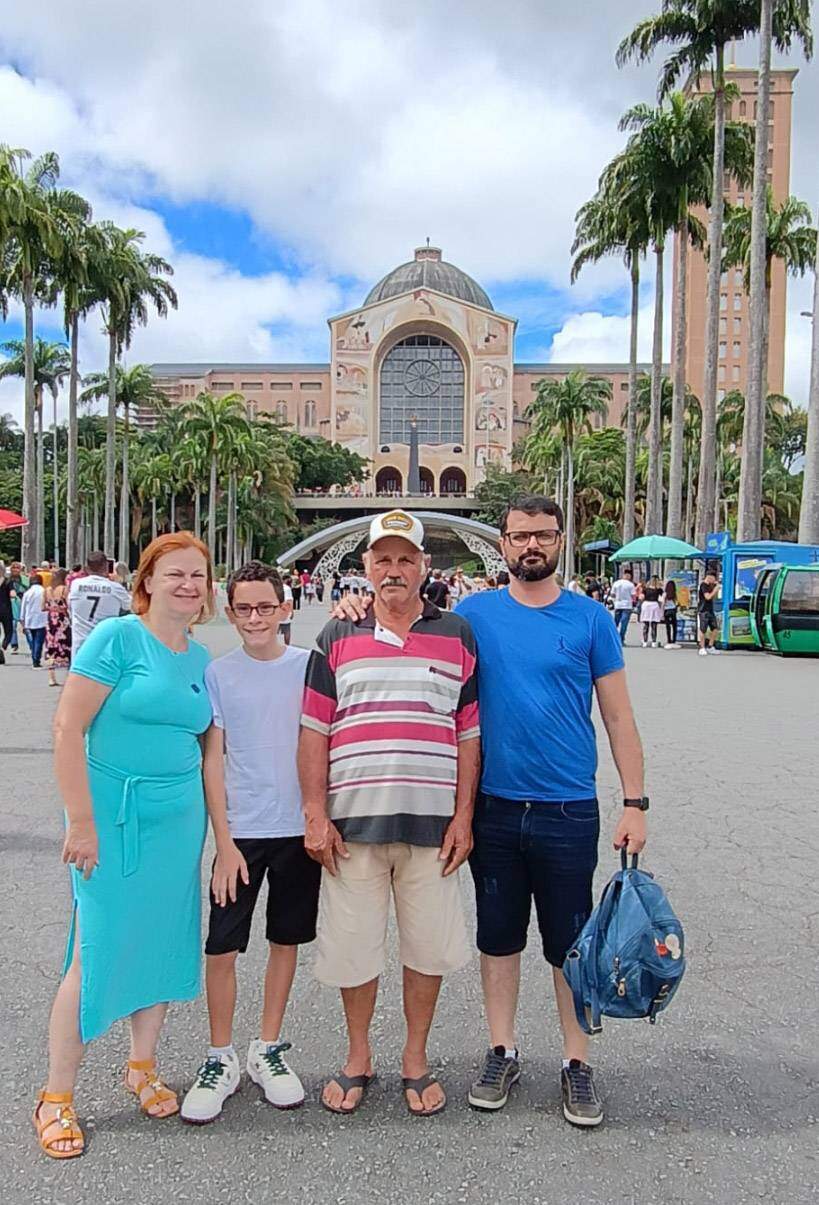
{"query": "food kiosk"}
pixel 740 567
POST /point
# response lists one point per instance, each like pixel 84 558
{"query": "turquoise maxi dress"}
pixel 139 913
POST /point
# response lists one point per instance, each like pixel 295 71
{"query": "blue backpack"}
pixel 630 957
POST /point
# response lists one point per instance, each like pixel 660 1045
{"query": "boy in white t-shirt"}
pixel 254 801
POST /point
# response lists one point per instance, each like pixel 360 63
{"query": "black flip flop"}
pixel 419 1085
pixel 347 1083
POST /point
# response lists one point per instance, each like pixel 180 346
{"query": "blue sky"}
pixel 285 157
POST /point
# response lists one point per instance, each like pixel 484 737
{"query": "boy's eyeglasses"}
pixel 263 610
pixel 546 539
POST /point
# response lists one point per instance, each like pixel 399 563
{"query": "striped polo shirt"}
pixel 394 713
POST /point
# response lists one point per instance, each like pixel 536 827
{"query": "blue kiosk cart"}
pixel 741 565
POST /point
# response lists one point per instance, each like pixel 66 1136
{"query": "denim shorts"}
pixel 527 849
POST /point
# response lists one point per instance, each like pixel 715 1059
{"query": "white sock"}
pixel 511 1054
pixel 567 1061
pixel 221 1052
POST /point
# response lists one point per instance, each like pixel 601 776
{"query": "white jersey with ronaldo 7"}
pixel 92 599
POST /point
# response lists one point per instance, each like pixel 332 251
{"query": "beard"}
pixel 533 567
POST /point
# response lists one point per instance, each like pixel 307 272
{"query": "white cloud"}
pixel 798 334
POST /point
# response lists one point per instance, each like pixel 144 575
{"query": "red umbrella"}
pixel 10 518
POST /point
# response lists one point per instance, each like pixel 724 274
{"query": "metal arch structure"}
pixel 342 538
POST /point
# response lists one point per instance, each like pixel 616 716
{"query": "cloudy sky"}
pixel 285 156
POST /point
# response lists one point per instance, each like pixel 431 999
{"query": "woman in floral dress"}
pixel 58 631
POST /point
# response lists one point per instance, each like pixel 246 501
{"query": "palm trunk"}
pixel 631 412
pixel 229 521
pixel 55 487
pixel 71 506
pixel 125 498
pixel 153 518
pixel 569 539
pixel 40 552
pixel 717 492
pixel 173 512
pixel 110 445
pixel 29 532
pixel 689 487
pixel 212 507
pixel 81 538
pixel 95 528
pixel 675 471
pixel 197 511
pixel 708 434
pixel 654 490
pixel 809 509
pixel 750 479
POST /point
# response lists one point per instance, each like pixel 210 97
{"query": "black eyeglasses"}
pixel 263 610
pixel 546 539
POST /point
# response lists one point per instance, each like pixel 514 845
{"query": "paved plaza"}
pixel 718 1102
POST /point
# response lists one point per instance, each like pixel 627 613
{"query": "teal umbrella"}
pixel 657 548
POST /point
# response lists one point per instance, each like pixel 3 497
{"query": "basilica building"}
pixel 425 352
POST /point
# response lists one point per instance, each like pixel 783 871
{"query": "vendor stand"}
pixel 740 566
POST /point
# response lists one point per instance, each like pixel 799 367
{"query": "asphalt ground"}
pixel 717 1102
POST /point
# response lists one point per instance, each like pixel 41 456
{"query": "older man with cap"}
pixel 388 760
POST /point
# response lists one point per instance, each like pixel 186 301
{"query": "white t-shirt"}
pixel 32 614
pixel 258 705
pixel 288 597
pixel 623 593
pixel 92 599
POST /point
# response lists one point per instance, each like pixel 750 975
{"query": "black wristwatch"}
pixel 642 804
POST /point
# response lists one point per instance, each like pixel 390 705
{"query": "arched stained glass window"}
pixel 422 377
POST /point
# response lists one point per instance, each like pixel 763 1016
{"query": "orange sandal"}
pixel 67 1125
pixel 150 1079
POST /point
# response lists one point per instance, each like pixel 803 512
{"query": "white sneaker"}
pixel 645 644
pixel 672 645
pixel 654 644
pixel 267 1068
pixel 703 653
pixel 715 652
pixel 216 1080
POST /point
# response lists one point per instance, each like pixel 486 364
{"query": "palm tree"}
pixel 76 275
pixel 789 237
pixel 615 220
pixel 215 421
pixel 135 387
pixel 152 473
pixel 566 407
pixel 127 281
pixel 809 511
pixel 90 492
pixel 35 219
pixel 676 142
pixel 50 364
pixel 699 31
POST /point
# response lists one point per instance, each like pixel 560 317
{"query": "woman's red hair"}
pixel 173 541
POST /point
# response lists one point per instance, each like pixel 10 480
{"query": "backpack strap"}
pixel 600 918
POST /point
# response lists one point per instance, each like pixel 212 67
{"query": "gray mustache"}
pixel 394 581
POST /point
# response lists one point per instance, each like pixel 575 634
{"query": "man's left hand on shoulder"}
pixel 631 831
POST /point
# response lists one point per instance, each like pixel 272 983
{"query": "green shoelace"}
pixel 272 1056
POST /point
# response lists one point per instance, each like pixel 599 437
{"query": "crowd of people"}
pixel 411 740
pixel 55 609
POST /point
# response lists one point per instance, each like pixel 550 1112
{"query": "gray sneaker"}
pixel 581 1104
pixel 491 1089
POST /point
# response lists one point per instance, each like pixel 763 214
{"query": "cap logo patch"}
pixel 397 521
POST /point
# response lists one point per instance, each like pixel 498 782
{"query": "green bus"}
pixel 784 610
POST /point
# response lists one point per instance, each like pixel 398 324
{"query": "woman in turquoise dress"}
pixel 128 764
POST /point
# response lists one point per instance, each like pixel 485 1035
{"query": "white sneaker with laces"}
pixel 266 1067
pixel 216 1080
pixel 703 653
pixel 645 644
pixel 715 652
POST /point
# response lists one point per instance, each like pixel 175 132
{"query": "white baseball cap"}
pixel 397 523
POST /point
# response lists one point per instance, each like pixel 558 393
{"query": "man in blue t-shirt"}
pixel 541 652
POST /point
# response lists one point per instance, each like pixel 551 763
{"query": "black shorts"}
pixel 533 850
pixel 293 880
pixel 708 621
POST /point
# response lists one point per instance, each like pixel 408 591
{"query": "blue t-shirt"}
pixel 536 670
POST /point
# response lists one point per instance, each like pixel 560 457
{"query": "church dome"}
pixel 429 271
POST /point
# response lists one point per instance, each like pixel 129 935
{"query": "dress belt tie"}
pixel 127 818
